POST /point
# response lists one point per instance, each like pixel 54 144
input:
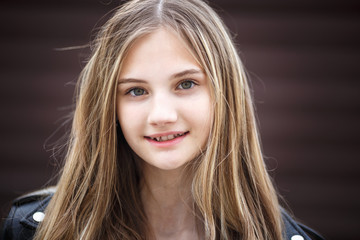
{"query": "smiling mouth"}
pixel 167 137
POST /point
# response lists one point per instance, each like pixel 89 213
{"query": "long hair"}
pixel 98 194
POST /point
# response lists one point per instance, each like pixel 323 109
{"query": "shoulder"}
pixel 297 231
pixel 26 213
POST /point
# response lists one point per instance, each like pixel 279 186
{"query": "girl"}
pixel 164 143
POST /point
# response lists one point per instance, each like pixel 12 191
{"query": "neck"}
pixel 168 203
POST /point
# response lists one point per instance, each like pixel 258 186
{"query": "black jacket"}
pixel 28 211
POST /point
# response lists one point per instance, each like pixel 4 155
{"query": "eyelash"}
pixel 187 81
pixel 131 90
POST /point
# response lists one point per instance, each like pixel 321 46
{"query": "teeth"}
pixel 168 137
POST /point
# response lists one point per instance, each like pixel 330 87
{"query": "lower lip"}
pixel 168 143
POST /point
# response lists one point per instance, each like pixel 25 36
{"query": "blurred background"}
pixel 303 59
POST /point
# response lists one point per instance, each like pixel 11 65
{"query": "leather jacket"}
pixel 28 211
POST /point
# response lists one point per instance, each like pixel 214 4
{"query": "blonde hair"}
pixel 98 195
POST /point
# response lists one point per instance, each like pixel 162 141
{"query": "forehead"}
pixel 160 50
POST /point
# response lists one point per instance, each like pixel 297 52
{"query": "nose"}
pixel 162 111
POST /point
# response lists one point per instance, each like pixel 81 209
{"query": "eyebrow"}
pixel 186 72
pixel 176 75
pixel 130 80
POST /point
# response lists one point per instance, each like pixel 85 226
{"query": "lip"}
pixel 167 143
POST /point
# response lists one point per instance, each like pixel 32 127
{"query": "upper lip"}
pixel 166 134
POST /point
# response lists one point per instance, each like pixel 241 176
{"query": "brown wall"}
pixel 302 56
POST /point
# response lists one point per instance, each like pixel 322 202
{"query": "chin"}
pixel 167 165
pixel 170 167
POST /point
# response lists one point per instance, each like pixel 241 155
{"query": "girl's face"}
pixel 163 101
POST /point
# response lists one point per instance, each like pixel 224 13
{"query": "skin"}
pixel 163 91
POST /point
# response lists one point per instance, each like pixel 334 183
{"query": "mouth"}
pixel 168 137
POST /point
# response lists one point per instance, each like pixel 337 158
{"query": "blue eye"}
pixel 186 84
pixel 137 92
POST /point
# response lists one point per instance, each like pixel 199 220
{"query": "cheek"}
pixel 201 114
pixel 129 119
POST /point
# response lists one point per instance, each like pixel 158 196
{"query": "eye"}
pixel 186 84
pixel 135 92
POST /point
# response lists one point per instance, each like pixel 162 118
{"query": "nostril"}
pixel 162 117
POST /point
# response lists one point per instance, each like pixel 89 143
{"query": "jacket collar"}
pixel 34 212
